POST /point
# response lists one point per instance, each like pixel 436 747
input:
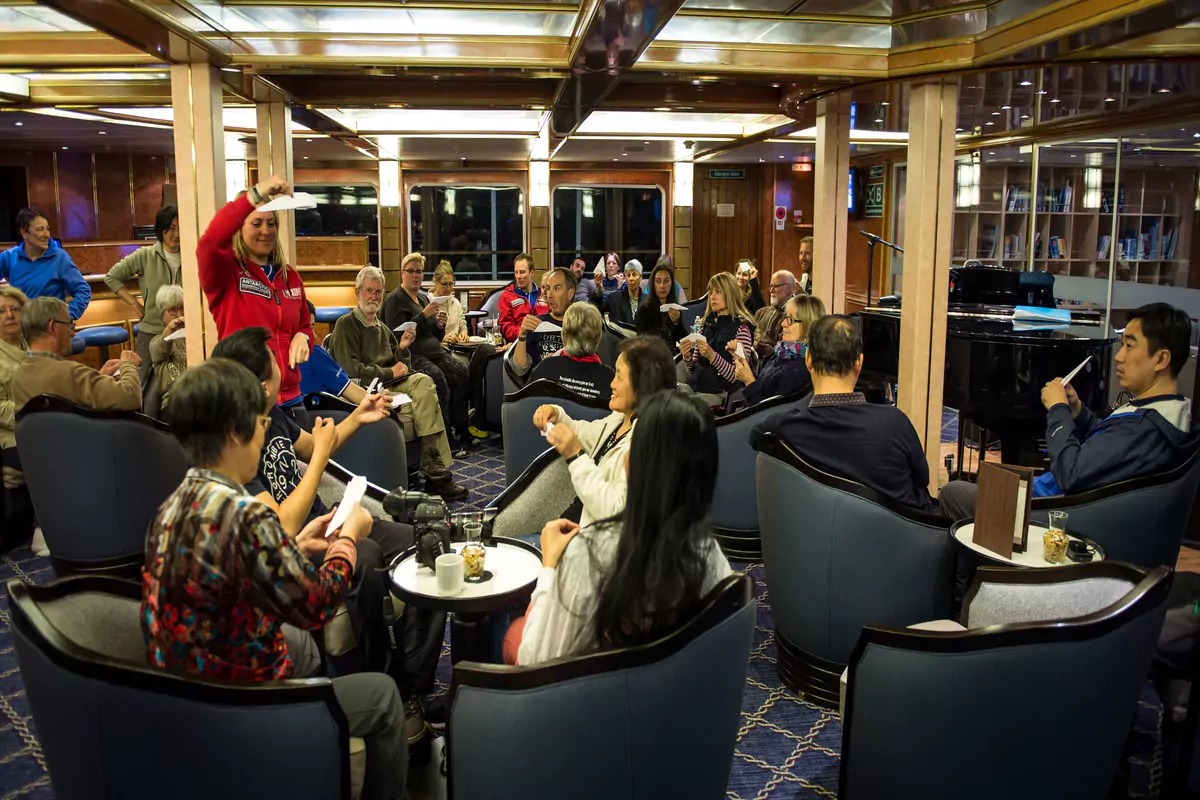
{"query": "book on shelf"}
pixel 1012 245
pixel 1058 247
pixel 1056 200
pixel 1102 247
pixel 1106 199
pixel 1168 245
pixel 1017 199
pixel 1037 244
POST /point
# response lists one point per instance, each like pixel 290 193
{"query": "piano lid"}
pixel 996 324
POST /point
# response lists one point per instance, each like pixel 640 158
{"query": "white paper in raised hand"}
pixel 404 326
pixel 547 327
pixel 1075 371
pixel 289 202
pixel 371 386
pixel 179 334
pixel 665 307
pixel 694 337
pixel 442 299
pixel 355 490
pixel 400 399
pixel 546 430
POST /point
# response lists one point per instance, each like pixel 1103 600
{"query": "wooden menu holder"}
pixel 1002 508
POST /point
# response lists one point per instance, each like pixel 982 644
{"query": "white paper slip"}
pixel 665 307
pixel 546 430
pixel 179 334
pixel 443 299
pixel 289 202
pixel 1075 371
pixel 350 501
pixel 547 327
pixel 740 352
pixel 404 326
pixel 694 337
pixel 372 385
pixel 400 399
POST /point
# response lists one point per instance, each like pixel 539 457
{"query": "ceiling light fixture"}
pixel 1042 91
pixel 696 82
pixel 308 140
pixel 992 153
pixel 958 130
pixel 774 85
pixel 18 124
pixel 102 133
pixel 1056 100
pixel 1110 99
pixel 781 156
pixel 1024 116
pixel 65 147
pixel 989 123
pixel 1073 155
pixel 995 113
pixel 1026 83
pixel 762 161
pixel 885 103
pixel 1164 91
pixel 306 158
pixel 879 120
pixel 1006 108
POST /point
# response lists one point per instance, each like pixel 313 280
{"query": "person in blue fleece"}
pixel 41 268
pixel 1151 433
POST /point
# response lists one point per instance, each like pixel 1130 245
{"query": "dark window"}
pixel 342 211
pixel 478 229
pixel 594 220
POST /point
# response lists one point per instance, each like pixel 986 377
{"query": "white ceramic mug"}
pixel 449 574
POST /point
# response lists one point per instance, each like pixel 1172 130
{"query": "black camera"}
pixel 434 526
pixel 1080 551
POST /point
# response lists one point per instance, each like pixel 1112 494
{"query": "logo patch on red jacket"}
pixel 516 301
pixel 249 285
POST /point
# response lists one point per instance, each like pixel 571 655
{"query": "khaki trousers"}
pixel 427 413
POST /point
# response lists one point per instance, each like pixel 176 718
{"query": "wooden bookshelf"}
pixel 1072 220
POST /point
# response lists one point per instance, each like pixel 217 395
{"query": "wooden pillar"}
pixel 200 176
pixel 830 219
pixel 274 141
pixel 683 202
pixel 929 204
pixel 539 241
pixel 391 206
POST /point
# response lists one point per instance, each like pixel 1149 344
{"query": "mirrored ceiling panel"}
pixel 36 19
pixel 784 32
pixel 437 121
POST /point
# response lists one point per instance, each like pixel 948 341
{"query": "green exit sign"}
pixel 727 174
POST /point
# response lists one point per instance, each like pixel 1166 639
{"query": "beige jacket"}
pixel 10 359
pixel 45 373
pixel 600 487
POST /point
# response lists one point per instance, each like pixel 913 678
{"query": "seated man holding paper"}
pixel 370 354
pixel 840 432
pixel 540 336
pixel 1151 433
pixel 229 596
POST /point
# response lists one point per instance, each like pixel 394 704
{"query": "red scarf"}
pixel 592 359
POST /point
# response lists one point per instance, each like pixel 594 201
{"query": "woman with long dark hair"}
pixel 662 289
pixel 639 575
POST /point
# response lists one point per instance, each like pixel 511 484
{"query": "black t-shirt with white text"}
pixel 544 345
pixel 278 468
pixel 589 379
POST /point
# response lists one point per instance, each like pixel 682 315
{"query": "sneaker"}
pixel 477 433
pixel 414 721
pixel 38 545
pixel 435 470
pixel 447 489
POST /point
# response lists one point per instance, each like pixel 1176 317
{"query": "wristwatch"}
pixel 572 458
pixel 256 196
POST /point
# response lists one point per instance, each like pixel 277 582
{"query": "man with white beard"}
pixel 768 320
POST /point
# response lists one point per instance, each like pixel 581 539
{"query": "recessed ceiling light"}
pixel 616 159
pixel 1026 83
pixel 885 103
pixel 1164 91
pixel 695 83
pixel 781 156
pixel 958 130
pixel 995 113
pixel 102 133
pixel 879 120
pixel 762 161
pixel 1110 99
pixel 989 123
pixel 774 85
pixel 1041 91
pixel 623 155
pixel 65 147
pixel 308 140
pixel 645 143
pixel 1024 116
pixel 1006 108
pixel 18 124
pixel 992 153
pixel 306 158
pixel 662 108
pixel 1055 100
pixel 1196 135
pixel 1073 155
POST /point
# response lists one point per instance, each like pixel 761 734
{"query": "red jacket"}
pixel 514 305
pixel 241 296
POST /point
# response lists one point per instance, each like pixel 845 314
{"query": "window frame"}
pixel 577 185
pixel 417 183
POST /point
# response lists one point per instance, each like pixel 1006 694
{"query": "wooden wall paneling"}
pixel 856 244
pixel 114 211
pixel 792 190
pixel 76 196
pixel 149 175
pixel 39 179
pixel 830 219
pixel 718 242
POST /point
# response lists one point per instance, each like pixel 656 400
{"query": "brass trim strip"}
pixel 456 5
pixel 95 196
pixel 132 200
pixel 57 197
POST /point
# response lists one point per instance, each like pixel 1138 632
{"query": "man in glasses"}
pixel 768 320
pixel 47 327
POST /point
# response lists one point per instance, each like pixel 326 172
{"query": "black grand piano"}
pixel 995 370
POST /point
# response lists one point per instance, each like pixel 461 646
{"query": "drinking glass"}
pixel 473 552
pixel 1054 540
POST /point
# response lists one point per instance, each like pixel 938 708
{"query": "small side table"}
pixel 514 566
pixel 962 532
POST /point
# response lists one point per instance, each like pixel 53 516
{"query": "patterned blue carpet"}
pixel 787 748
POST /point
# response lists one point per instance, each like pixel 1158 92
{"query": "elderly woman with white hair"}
pixel 622 306
pixel 13 351
pixel 168 357
pixel 576 366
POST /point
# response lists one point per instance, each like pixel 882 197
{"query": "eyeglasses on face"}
pixel 414 271
pixel 775 286
pixel 788 319
pixel 69 322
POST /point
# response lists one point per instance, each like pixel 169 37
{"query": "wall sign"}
pixel 873 209
pixel 780 217
pixel 727 174
pixel 724 210
pixel 875 172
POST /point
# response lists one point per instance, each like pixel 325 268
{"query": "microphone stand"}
pixel 871 240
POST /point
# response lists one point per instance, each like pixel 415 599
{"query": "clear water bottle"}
pixel 696 325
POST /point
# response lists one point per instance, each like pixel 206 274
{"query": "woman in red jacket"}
pixel 246 278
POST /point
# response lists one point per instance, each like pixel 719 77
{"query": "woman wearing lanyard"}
pixel 595 450
pixel 154 267
pixel 245 276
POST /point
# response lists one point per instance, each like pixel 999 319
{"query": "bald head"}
pixel 783 286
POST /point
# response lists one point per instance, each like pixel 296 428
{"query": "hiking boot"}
pixel 414 721
pixel 434 469
pixel 447 489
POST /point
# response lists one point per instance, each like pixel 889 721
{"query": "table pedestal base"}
pixel 470 638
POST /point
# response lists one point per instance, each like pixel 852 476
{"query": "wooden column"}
pixel 200 175
pixel 682 205
pixel 539 241
pixel 929 202
pixel 832 175
pixel 389 222
pixel 274 141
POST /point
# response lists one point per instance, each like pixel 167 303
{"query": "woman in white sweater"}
pixel 637 576
pixel 595 449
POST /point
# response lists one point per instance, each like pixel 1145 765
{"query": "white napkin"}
pixel 355 490
pixel 289 202
pixel 179 334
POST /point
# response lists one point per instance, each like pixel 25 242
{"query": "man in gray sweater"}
pixel 368 351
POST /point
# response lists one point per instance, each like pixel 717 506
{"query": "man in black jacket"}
pixel 1151 433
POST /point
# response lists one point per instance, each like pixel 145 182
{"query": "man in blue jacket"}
pixel 1152 433
pixel 40 268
